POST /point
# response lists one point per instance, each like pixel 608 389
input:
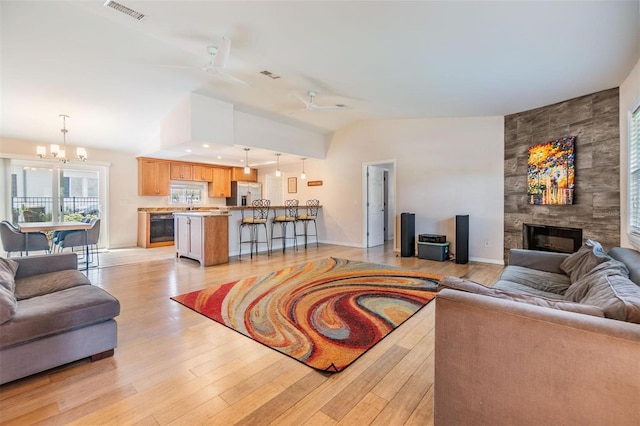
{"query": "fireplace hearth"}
pixel 551 238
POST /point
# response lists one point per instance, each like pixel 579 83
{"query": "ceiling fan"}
pixel 311 105
pixel 218 60
pixel 218 56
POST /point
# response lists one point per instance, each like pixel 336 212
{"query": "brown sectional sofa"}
pixel 56 317
pixel 536 348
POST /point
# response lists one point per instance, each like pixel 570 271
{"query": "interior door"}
pixel 375 206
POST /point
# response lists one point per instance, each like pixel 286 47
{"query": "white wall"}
pixel 259 132
pixel 629 93
pixel 444 167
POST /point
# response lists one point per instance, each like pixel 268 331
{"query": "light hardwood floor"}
pixel 174 366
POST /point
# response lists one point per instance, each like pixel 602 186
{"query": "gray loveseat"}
pixel 50 315
pixel 542 345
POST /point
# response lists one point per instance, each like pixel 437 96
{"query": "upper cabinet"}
pixel 202 173
pixel 153 177
pixel 237 174
pixel 181 171
pixel 221 185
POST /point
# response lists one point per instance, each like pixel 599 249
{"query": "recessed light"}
pixel 188 150
pixel 205 145
pixel 219 157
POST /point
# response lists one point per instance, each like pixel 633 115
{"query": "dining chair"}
pixel 14 241
pixel 88 239
pixel 59 236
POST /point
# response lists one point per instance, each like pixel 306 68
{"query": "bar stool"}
pixel 290 216
pixel 259 216
pixel 310 216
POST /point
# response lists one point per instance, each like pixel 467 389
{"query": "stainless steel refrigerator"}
pixel 243 193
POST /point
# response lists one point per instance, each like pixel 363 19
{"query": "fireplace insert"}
pixel 551 238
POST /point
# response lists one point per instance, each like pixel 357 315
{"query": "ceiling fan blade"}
pixel 304 101
pixel 328 107
pixel 220 60
pixel 228 77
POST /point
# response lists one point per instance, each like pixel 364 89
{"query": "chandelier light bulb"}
pixel 247 169
pixel 81 153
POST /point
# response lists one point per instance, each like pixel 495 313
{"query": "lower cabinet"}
pixel 202 237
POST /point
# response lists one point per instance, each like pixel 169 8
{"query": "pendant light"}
pixel 247 169
pixel 55 150
pixel 303 176
pixel 278 172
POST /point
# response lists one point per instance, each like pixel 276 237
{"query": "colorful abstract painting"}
pixel 551 172
pixel 324 313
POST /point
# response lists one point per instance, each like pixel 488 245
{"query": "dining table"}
pixel 29 227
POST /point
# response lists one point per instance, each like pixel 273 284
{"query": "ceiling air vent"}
pixel 270 74
pixel 123 9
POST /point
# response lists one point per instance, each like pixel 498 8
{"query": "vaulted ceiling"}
pixel 117 77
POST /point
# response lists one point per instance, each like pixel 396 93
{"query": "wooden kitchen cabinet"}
pixel 221 185
pixel 202 237
pixel 153 177
pixel 237 174
pixel 202 173
pixel 181 171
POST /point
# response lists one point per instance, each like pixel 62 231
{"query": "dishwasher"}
pixel 160 227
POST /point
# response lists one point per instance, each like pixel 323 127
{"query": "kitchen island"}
pixel 202 236
pixel 233 215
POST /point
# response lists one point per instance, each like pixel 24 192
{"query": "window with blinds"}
pixel 634 171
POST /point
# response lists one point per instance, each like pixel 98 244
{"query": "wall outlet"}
pixel 486 243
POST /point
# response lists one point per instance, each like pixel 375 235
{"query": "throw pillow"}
pixel 8 269
pixel 614 293
pixel 580 263
pixel 8 305
pixel 472 287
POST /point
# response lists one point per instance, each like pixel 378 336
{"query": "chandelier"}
pixel 60 153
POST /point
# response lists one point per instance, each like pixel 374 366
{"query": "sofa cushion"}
pixel 38 285
pixel 533 281
pixel 8 304
pixel 58 312
pixel 612 291
pixel 584 260
pixel 472 287
pixel 8 269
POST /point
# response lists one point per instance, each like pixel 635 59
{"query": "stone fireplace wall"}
pixel 594 120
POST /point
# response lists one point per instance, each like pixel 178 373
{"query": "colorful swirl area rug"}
pixel 324 313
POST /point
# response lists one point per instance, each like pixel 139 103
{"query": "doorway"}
pixel 378 190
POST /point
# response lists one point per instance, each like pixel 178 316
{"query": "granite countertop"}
pixel 270 207
pixel 181 209
pixel 204 209
pixel 203 213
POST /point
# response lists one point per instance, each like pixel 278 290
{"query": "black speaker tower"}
pixel 407 234
pixel 462 239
